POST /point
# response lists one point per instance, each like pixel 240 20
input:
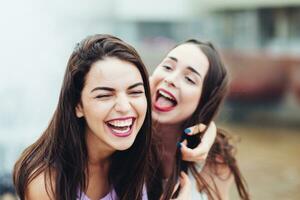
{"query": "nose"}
pixel 122 104
pixel 171 79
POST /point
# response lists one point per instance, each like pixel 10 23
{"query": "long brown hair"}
pixel 222 154
pixel 213 93
pixel 62 146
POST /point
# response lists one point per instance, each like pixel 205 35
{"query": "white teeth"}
pixel 166 95
pixel 121 123
pixel 121 131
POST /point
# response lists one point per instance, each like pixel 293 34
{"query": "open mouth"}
pixel 165 101
pixel 121 127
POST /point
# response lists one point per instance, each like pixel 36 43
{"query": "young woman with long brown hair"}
pixel 97 143
pixel 188 87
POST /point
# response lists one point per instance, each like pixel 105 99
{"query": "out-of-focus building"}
pixel 271 24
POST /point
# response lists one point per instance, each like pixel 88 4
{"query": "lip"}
pixel 121 135
pixel 121 118
pixel 165 109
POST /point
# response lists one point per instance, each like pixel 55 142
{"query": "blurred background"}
pixel 259 41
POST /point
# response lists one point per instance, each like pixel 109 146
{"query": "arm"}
pixel 37 190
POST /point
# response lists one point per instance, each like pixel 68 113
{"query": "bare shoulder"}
pixel 40 187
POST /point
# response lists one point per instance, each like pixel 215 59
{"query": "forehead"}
pixel 190 55
pixel 113 72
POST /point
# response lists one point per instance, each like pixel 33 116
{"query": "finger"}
pixel 193 130
pixel 185 187
pixel 184 180
pixel 176 187
pixel 184 142
pixel 209 136
pixel 189 154
pixel 186 151
pixel 197 154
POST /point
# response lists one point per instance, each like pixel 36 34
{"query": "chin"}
pixel 123 145
pixel 158 117
pixel 162 118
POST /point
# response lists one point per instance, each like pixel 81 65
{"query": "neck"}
pixel 98 151
pixel 169 134
pixel 99 154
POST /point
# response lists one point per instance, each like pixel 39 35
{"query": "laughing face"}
pixel 113 103
pixel 176 84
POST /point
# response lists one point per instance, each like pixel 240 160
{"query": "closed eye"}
pixel 167 68
pixel 189 80
pixel 103 96
pixel 136 93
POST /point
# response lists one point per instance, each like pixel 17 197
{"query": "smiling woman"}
pixel 113 103
pixel 184 68
pixel 97 143
pixel 188 87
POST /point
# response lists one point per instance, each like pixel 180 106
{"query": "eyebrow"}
pixel 112 89
pixel 135 85
pixel 193 70
pixel 172 58
pixel 188 67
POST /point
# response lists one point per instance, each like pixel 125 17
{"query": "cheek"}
pixel 190 99
pixel 140 105
pixel 97 110
pixel 156 78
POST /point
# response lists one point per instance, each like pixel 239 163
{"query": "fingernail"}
pixel 202 127
pixel 187 131
pixel 179 145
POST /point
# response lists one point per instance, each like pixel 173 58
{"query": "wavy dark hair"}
pixel 214 90
pixel 62 146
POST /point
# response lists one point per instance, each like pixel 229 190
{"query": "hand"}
pixel 185 188
pixel 199 153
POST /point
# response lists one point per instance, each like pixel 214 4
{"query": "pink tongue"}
pixel 163 102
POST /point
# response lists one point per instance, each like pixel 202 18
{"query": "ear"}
pixel 79 110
